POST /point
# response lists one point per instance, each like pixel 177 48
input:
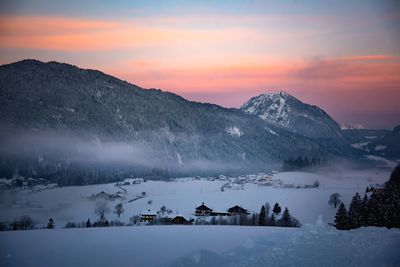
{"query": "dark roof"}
pixel 179 219
pixel 237 209
pixel 203 207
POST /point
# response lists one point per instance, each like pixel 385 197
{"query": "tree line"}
pixel 381 208
pixel 294 163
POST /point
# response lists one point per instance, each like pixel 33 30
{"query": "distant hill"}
pixel 384 143
pixel 388 145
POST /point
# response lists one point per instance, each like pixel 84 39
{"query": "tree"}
pixel 286 220
pixel 341 218
pixel 253 219
pixel 272 221
pixel 261 218
pixel 267 209
pixel 26 222
pixel 355 212
pixel 163 209
pixel 118 209
pixel 101 209
pixel 334 199
pixel 277 209
pixel 364 211
pixel 88 223
pixel 316 183
pixel 50 224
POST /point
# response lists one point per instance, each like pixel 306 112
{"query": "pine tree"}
pixel 88 223
pixel 272 221
pixel 286 220
pixel 261 218
pixel 355 212
pixel 267 209
pixel 364 211
pixel 50 224
pixel 276 209
pixel 341 218
pixel 253 219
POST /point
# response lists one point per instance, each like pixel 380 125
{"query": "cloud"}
pixel 71 34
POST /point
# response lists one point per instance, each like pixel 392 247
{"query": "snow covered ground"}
pixel 73 203
pixel 147 246
pixel 311 245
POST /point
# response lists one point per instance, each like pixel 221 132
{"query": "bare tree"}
pixel 334 199
pixel 118 209
pixel 101 209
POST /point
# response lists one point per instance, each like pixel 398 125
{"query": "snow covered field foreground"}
pixel 311 245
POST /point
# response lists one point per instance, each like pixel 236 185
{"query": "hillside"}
pixel 80 126
pixel 59 119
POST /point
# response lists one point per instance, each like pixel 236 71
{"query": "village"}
pixel 200 211
pixel 203 213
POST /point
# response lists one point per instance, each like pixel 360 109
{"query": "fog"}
pixel 48 154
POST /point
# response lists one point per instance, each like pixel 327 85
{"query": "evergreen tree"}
pixel 277 208
pixel 375 208
pixel 364 211
pixel 262 216
pixel 272 221
pixel 267 209
pixel 88 223
pixel 341 218
pixel 286 220
pixel 50 224
pixel 254 219
pixel 355 212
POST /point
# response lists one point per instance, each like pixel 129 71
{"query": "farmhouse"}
pixel 148 216
pixel 237 210
pixel 179 220
pixel 203 210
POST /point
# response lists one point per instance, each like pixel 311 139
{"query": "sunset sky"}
pixel 343 56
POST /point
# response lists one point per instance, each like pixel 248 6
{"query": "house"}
pixel 179 220
pixel 219 213
pixel 237 210
pixel 203 210
pixel 377 188
pixel 148 216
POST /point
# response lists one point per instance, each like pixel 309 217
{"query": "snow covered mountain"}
pixel 348 126
pixel 82 126
pixel 290 113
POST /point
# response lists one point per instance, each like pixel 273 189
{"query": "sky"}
pixel 343 56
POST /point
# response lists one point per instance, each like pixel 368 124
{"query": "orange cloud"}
pixel 337 73
pixel 68 34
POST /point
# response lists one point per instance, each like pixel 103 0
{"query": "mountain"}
pixel 80 126
pixel 387 146
pixel 384 143
pixel 361 138
pixel 290 113
pixel 347 126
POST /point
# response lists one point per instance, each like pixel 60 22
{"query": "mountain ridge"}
pixel 66 118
